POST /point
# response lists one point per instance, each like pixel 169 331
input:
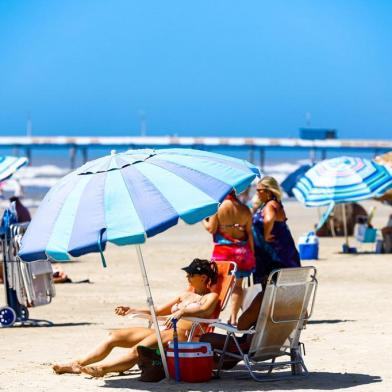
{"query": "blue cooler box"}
pixel 363 233
pixel 308 246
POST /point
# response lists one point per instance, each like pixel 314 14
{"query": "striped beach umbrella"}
pixel 127 197
pixel 9 165
pixel 342 180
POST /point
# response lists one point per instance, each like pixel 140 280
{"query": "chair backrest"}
pixel 287 303
pixel 225 284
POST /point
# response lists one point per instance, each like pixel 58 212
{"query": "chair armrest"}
pixel 199 320
pixel 232 328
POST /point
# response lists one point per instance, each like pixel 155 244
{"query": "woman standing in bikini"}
pixel 231 228
pixel 200 302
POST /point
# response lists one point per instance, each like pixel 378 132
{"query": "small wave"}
pixel 41 171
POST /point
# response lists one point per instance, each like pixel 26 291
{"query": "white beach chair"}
pixel 287 304
pixel 33 281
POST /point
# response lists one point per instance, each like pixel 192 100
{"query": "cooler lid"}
pixel 191 349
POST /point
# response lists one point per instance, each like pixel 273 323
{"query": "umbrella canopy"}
pixel 125 198
pixel 9 165
pixel 289 182
pixel 341 180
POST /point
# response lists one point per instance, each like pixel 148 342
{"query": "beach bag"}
pixel 150 364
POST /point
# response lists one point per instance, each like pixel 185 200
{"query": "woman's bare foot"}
pixel 94 371
pixel 73 368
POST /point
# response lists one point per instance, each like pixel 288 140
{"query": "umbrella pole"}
pixel 152 309
pixel 345 222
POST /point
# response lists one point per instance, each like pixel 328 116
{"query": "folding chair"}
pixel 287 304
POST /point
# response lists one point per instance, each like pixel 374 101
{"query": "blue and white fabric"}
pixel 126 197
pixel 342 180
pixel 9 165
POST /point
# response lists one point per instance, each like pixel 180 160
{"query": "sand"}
pixel 348 342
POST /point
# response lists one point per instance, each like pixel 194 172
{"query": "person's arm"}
pixel 269 220
pixel 211 224
pixel 249 233
pixel 160 311
pixel 205 310
pixel 165 310
pixel 249 317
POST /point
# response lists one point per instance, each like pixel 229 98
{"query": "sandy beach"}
pixel 348 341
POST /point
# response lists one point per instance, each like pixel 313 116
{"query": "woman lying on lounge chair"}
pixel 200 302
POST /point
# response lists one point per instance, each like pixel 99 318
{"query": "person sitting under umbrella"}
pixel 198 302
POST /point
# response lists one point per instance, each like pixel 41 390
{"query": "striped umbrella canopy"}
pixel 342 180
pixel 9 165
pixel 126 197
pixel 289 182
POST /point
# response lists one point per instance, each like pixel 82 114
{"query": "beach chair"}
pixel 27 284
pixel 286 306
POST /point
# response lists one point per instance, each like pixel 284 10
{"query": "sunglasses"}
pixel 188 275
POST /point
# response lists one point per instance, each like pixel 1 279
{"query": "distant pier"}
pixel 255 147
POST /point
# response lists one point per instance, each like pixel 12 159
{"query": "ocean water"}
pixel 49 166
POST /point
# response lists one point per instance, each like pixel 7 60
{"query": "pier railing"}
pixel 252 145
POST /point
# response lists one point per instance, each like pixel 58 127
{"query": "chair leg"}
pixel 222 356
pixel 249 367
pixel 298 367
pixel 271 368
pixel 264 377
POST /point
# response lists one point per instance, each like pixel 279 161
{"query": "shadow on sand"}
pixel 32 323
pixel 333 321
pixel 230 382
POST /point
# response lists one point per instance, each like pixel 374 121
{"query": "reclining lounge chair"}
pixel 287 304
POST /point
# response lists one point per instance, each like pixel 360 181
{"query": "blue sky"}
pixel 206 67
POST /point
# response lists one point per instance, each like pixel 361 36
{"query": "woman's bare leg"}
pixel 128 360
pixel 119 338
pixel 236 300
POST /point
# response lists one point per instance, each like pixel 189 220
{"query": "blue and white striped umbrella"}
pixel 9 165
pixel 126 197
pixel 342 180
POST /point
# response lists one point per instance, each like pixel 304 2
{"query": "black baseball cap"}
pixel 198 267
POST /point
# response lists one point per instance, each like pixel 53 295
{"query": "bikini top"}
pixel 224 239
pixel 186 305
